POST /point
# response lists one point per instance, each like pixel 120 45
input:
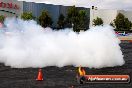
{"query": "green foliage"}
pixel 127 24
pixel 61 21
pixel 72 16
pixel 2 18
pixel 82 13
pixel 97 21
pixel 45 19
pixel 27 16
pixel 78 18
pixel 122 23
pixel 83 20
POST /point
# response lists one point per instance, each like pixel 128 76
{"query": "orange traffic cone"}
pixel 40 75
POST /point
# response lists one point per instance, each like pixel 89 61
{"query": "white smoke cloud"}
pixel 101 4
pixel 26 44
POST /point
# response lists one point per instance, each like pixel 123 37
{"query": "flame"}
pixel 81 71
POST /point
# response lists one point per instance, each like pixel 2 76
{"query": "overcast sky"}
pixel 101 4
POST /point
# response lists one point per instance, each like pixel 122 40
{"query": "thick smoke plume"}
pixel 26 44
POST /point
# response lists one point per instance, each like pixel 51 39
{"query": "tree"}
pixel 45 19
pixel 61 21
pixel 122 23
pixel 77 19
pixel 27 16
pixel 98 21
pixel 83 20
pixel 72 14
pixel 2 18
pixel 128 24
pixel 72 18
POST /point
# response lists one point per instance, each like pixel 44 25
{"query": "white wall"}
pixel 107 15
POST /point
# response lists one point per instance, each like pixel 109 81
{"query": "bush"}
pixel 45 19
pixel 61 21
pixel 97 21
pixel 122 23
pixel 2 18
pixel 27 16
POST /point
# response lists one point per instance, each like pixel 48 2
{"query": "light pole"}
pixel 93 9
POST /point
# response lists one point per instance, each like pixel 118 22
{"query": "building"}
pixel 108 15
pixel 54 10
pixel 11 8
pixel 36 9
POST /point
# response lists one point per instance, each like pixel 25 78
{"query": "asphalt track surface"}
pixel 64 77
